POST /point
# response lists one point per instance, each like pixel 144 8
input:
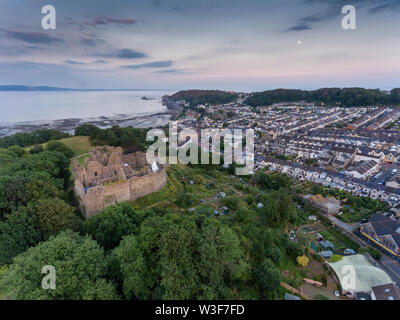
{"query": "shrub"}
pixel 232 202
pixel 335 258
pixel 184 200
pixel 36 149
pixel 372 251
pixel 302 260
pixel 60 147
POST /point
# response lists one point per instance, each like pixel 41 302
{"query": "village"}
pixel 351 149
pixel 348 153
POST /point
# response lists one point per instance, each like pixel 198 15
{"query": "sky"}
pixel 241 45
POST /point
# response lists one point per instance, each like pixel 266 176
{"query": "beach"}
pixel 157 112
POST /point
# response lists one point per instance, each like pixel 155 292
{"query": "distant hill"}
pixel 196 97
pixel 29 88
pixel 345 97
pixel 47 88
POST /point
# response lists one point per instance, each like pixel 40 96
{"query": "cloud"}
pixel 74 62
pixel 92 42
pixel 389 5
pixel 334 9
pixel 174 71
pixel 124 54
pixel 32 37
pixel 181 5
pixel 103 21
pixel 34 66
pixel 100 61
pixel 155 64
pixel 33 48
pixel 299 27
pixel 127 21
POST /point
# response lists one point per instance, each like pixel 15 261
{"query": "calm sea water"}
pixel 35 106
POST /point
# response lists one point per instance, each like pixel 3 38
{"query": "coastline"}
pixel 174 109
pixel 154 120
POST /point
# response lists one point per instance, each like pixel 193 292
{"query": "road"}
pixel 392 267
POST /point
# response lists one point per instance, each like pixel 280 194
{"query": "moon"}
pixel 299 42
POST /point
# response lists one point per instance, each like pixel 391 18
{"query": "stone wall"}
pixel 141 186
pixel 102 181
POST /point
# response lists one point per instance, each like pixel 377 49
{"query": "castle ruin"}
pixel 108 177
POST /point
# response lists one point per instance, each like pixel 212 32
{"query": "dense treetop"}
pixel 346 97
pixel 80 270
pixel 32 138
pixel 196 97
pixel 131 139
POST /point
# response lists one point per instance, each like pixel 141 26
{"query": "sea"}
pixel 25 108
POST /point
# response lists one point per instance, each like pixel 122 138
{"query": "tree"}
pixel 13 192
pixel 346 97
pixel 20 152
pixel 273 181
pixel 177 252
pixel 7 157
pixel 274 253
pixel 37 148
pixel 302 260
pixel 293 249
pixel 115 222
pixel 18 232
pixel 184 199
pixel 54 163
pixel 268 279
pixel 128 268
pixel 86 130
pixel 60 147
pixel 19 186
pixel 41 185
pixel 205 210
pixel 196 97
pixel 232 202
pixel 222 261
pixel 304 238
pixel 55 215
pixel 80 270
pixel 241 215
pixel 24 139
pixel 279 208
pixel 160 263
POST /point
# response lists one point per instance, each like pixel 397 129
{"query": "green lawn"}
pixel 338 239
pixel 79 145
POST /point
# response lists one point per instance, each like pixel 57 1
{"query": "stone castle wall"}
pixel 109 177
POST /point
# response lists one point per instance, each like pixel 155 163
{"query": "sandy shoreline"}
pixel 124 120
